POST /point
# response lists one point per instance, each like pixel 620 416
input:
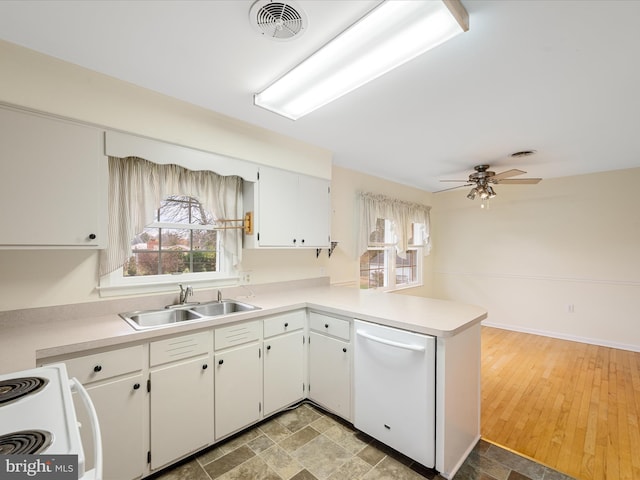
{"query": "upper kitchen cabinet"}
pixel 291 210
pixel 53 182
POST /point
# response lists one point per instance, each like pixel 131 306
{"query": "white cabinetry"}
pixel 292 210
pixel 53 183
pixel 330 363
pixel 284 380
pixel 181 396
pixel 115 382
pixel 238 377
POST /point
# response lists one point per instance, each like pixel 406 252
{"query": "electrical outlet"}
pixel 246 277
pixel 570 308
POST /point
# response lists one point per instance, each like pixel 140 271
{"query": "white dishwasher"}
pixel 394 389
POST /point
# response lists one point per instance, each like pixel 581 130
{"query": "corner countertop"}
pixel 26 339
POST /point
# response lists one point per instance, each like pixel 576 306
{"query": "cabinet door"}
pixel 181 409
pixel 53 178
pixel 238 390
pixel 120 408
pixel 330 373
pixel 314 212
pixel 283 371
pixel 278 194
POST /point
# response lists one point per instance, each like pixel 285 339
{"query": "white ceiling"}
pixel 558 76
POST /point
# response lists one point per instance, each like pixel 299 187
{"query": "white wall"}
pixel 542 250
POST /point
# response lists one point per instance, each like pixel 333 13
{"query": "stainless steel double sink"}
pixel 144 319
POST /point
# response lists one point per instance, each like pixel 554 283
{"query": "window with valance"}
pixel 393 237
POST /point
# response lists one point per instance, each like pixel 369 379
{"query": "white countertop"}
pixel 24 342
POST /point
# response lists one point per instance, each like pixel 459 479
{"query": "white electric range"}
pixel 37 416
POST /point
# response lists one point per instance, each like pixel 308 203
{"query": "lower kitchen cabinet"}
pixel 238 377
pixel 330 364
pixel 284 379
pixel 115 382
pixel 120 408
pixel 238 388
pixel 181 400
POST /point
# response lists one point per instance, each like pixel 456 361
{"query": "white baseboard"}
pixel 450 474
pixel 562 336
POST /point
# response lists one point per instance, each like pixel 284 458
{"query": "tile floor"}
pixel 308 444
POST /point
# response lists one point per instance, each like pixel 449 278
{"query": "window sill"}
pixel 394 289
pixel 407 287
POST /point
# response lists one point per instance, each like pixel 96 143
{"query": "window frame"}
pixel 389 248
pixel 116 283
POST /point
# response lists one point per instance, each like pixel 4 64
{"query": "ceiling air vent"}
pixel 278 20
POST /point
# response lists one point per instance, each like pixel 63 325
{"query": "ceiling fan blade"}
pixel 455 181
pixel 453 188
pixel 514 181
pixel 509 173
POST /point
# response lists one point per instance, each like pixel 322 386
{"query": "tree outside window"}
pixel 182 239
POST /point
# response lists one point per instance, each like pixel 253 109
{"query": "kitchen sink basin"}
pixel 224 307
pixel 141 320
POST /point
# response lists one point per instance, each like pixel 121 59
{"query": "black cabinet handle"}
pixel 294 240
pixel 286 325
pixel 344 350
pixel 268 347
pixel 220 362
pixel 205 366
pixel 92 236
pixel 97 368
pixel 326 325
pixel 136 386
pixel 302 240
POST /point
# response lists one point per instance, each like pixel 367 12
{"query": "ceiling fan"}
pixel 483 178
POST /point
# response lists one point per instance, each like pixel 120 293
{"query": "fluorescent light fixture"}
pixel 390 35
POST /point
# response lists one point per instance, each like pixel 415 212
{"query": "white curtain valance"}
pixel 122 145
pixel 400 213
pixel 136 189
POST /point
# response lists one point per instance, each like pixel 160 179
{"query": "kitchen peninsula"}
pixel 74 333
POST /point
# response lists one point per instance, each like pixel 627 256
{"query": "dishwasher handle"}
pixel 384 341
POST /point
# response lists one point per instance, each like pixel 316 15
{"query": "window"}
pixel 381 266
pixel 169 225
pixel 182 239
pixel 393 238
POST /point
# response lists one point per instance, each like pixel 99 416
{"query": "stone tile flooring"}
pixel 308 444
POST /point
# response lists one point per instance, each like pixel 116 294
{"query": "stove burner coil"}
pixel 26 442
pixel 16 388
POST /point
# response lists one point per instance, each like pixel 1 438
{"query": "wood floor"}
pixel 572 406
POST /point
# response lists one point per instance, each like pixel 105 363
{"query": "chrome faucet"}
pixel 219 296
pixel 185 293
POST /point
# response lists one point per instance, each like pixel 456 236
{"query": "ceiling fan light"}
pixel 472 194
pixel 491 192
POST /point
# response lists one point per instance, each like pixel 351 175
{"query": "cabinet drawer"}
pixel 237 334
pixel 177 348
pixel 336 327
pixel 92 368
pixel 287 322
